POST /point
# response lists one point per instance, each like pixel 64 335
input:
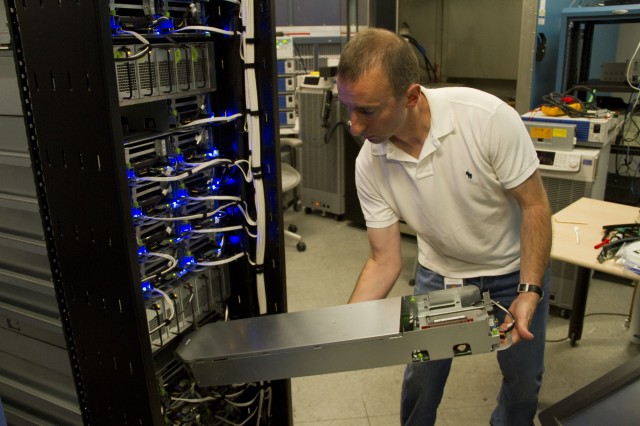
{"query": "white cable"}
pixel 243 404
pixel 236 424
pixel 216 198
pixel 629 69
pixel 190 217
pixel 167 302
pixel 136 35
pixel 253 130
pixel 183 174
pixel 221 261
pixel 171 259
pixel 260 402
pixel 195 400
pixel 251 234
pixel 248 176
pixel 218 230
pixel 141 53
pixel 168 307
pixel 269 399
pixel 507 312
pixel 170 266
pixel 220 119
pixel 247 217
pixel 205 28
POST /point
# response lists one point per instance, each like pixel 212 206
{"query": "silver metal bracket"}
pixel 436 325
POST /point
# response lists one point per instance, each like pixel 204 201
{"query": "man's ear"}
pixel 413 95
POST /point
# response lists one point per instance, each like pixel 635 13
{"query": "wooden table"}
pixel 576 229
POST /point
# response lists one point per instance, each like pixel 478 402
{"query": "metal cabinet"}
pixel 85 342
pixel 484 44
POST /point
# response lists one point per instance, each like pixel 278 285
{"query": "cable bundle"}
pixel 567 103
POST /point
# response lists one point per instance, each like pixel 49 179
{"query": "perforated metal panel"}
pixel 561 193
pixel 321 155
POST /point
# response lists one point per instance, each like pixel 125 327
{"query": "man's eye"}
pixel 368 111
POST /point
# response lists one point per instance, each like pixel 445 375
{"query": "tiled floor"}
pixel 324 275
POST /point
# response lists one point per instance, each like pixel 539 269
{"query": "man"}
pixel 458 166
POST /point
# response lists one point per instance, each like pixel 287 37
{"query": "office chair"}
pixel 290 180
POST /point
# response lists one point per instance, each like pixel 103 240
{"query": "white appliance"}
pixel 322 163
pixel 568 176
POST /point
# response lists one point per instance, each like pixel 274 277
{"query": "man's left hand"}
pixel 522 308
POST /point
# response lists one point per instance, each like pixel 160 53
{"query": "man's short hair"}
pixel 378 47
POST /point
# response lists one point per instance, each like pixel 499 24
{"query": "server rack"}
pixel 84 129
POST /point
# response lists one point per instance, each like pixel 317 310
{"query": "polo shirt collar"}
pixel 442 117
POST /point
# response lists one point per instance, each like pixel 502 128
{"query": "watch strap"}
pixel 530 288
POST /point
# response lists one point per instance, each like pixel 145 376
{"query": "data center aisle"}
pixel 324 275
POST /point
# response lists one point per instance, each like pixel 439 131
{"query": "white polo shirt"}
pixel 455 195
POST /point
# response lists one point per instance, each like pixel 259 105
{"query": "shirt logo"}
pixel 469 175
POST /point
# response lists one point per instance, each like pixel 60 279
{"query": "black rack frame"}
pixel 65 67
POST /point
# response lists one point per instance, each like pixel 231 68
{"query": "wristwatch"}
pixel 530 288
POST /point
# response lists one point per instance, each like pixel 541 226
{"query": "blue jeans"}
pixel 522 365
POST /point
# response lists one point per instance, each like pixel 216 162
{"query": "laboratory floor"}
pixel 324 275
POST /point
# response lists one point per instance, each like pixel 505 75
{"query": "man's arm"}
pixel 535 248
pixel 383 266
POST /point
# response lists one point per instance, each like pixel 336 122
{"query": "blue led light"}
pixel 186 261
pixel 142 250
pixel 164 24
pixel 181 193
pixel 234 239
pixel 183 228
pixel 115 22
pixel 131 174
pixel 136 212
pixel 146 286
pixel 175 159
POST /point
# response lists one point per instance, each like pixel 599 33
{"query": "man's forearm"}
pixel 375 282
pixel 535 243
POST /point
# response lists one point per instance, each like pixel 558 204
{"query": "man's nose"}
pixel 355 126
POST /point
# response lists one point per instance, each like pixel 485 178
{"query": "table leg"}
pixel 634 315
pixel 576 321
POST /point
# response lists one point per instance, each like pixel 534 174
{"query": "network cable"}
pixel 172 262
pixel 142 53
pixel 210 120
pixel 183 174
pixel 204 215
pixel 206 29
pixel 167 307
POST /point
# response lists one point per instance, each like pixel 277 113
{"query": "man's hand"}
pixel 523 308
